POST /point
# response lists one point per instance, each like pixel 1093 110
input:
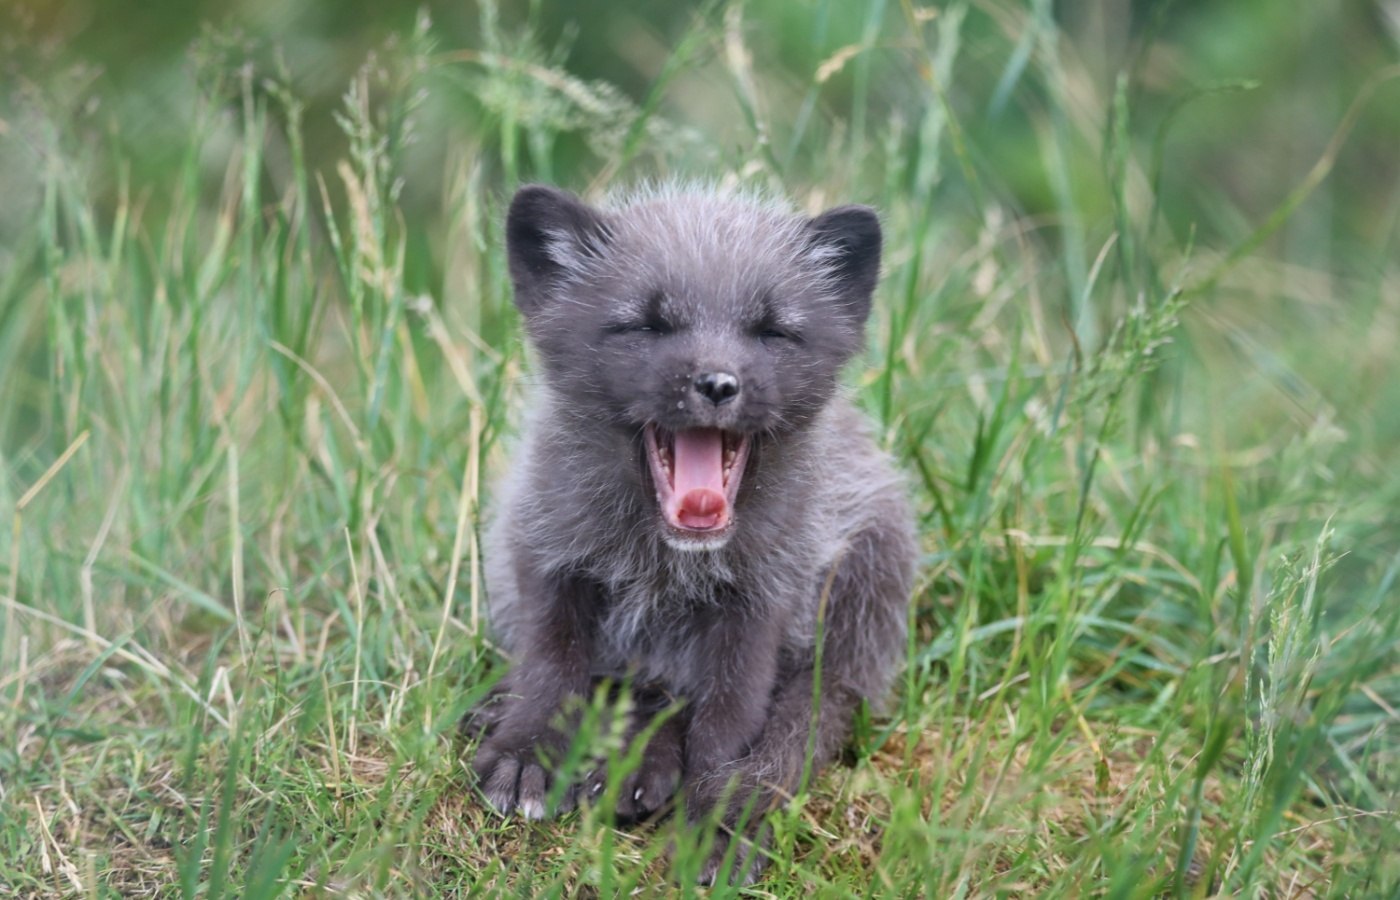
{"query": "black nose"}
pixel 717 387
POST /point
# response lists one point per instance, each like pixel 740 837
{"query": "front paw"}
pixel 736 861
pixel 647 789
pixel 517 774
pixel 733 800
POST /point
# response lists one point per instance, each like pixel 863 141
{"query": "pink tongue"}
pixel 699 477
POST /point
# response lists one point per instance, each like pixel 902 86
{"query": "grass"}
pixel 250 411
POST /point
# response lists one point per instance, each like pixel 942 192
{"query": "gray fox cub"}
pixel 694 501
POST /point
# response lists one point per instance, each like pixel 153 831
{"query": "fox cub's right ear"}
pixel 550 234
pixel 848 240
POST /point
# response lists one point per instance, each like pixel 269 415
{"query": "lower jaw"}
pixel 695 541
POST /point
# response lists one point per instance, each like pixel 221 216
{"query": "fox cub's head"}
pixel 704 324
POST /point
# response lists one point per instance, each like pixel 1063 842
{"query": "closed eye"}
pixel 771 333
pixel 769 326
pixel 648 326
pixel 650 321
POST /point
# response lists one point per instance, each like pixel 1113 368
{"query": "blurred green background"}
pixel 128 73
pixel 1232 106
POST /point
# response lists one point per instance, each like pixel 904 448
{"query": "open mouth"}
pixel 696 472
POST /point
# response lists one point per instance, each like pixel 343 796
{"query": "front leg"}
pixel 738 666
pixel 515 763
pixel 862 635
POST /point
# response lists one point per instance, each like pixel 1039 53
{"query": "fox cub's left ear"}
pixel 847 240
pixel 550 233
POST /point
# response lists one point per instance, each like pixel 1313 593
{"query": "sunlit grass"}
pixel 244 448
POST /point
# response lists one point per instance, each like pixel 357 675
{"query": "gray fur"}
pixel 584 579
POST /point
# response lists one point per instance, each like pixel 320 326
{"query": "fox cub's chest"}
pixel 659 629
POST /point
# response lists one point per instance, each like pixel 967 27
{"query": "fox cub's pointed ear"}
pixel 550 234
pixel 847 241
